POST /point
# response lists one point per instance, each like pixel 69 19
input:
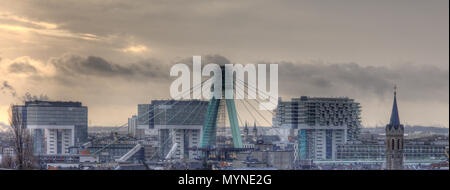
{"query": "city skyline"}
pixel 113 55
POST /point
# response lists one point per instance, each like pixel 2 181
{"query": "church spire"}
pixel 395 120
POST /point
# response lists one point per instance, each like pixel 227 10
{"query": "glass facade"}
pixel 329 144
pixel 46 114
pixel 172 112
pixel 312 111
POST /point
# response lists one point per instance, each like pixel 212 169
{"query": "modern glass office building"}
pixel 178 122
pixel 55 126
pixel 171 112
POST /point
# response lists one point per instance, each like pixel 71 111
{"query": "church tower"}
pixel 255 132
pixel 246 133
pixel 394 139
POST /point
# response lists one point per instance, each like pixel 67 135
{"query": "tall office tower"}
pixel 320 123
pixel 394 139
pixel 54 126
pixel 179 123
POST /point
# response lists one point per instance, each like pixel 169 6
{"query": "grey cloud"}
pixel 93 66
pixel 217 59
pixel 21 67
pixel 353 80
pixel 207 59
pixel 415 82
pixel 71 69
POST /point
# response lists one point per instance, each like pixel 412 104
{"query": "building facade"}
pixel 320 143
pixel 54 126
pixel 135 130
pixel 145 116
pixel 377 151
pixel 320 124
pixel 179 123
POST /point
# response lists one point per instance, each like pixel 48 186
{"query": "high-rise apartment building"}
pixel 54 126
pixel 320 124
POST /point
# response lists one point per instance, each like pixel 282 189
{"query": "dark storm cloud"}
pixel 21 67
pixel 93 66
pixel 351 79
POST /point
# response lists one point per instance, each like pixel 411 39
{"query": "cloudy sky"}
pixel 114 54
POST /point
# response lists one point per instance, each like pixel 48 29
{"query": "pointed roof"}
pixel 395 119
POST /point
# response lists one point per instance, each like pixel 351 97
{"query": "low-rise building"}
pixel 376 151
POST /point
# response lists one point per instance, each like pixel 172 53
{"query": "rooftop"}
pixel 52 103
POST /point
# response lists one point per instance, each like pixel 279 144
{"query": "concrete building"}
pixel 55 126
pixel 394 139
pixel 320 143
pixel 319 124
pixel 179 123
pixel 264 155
